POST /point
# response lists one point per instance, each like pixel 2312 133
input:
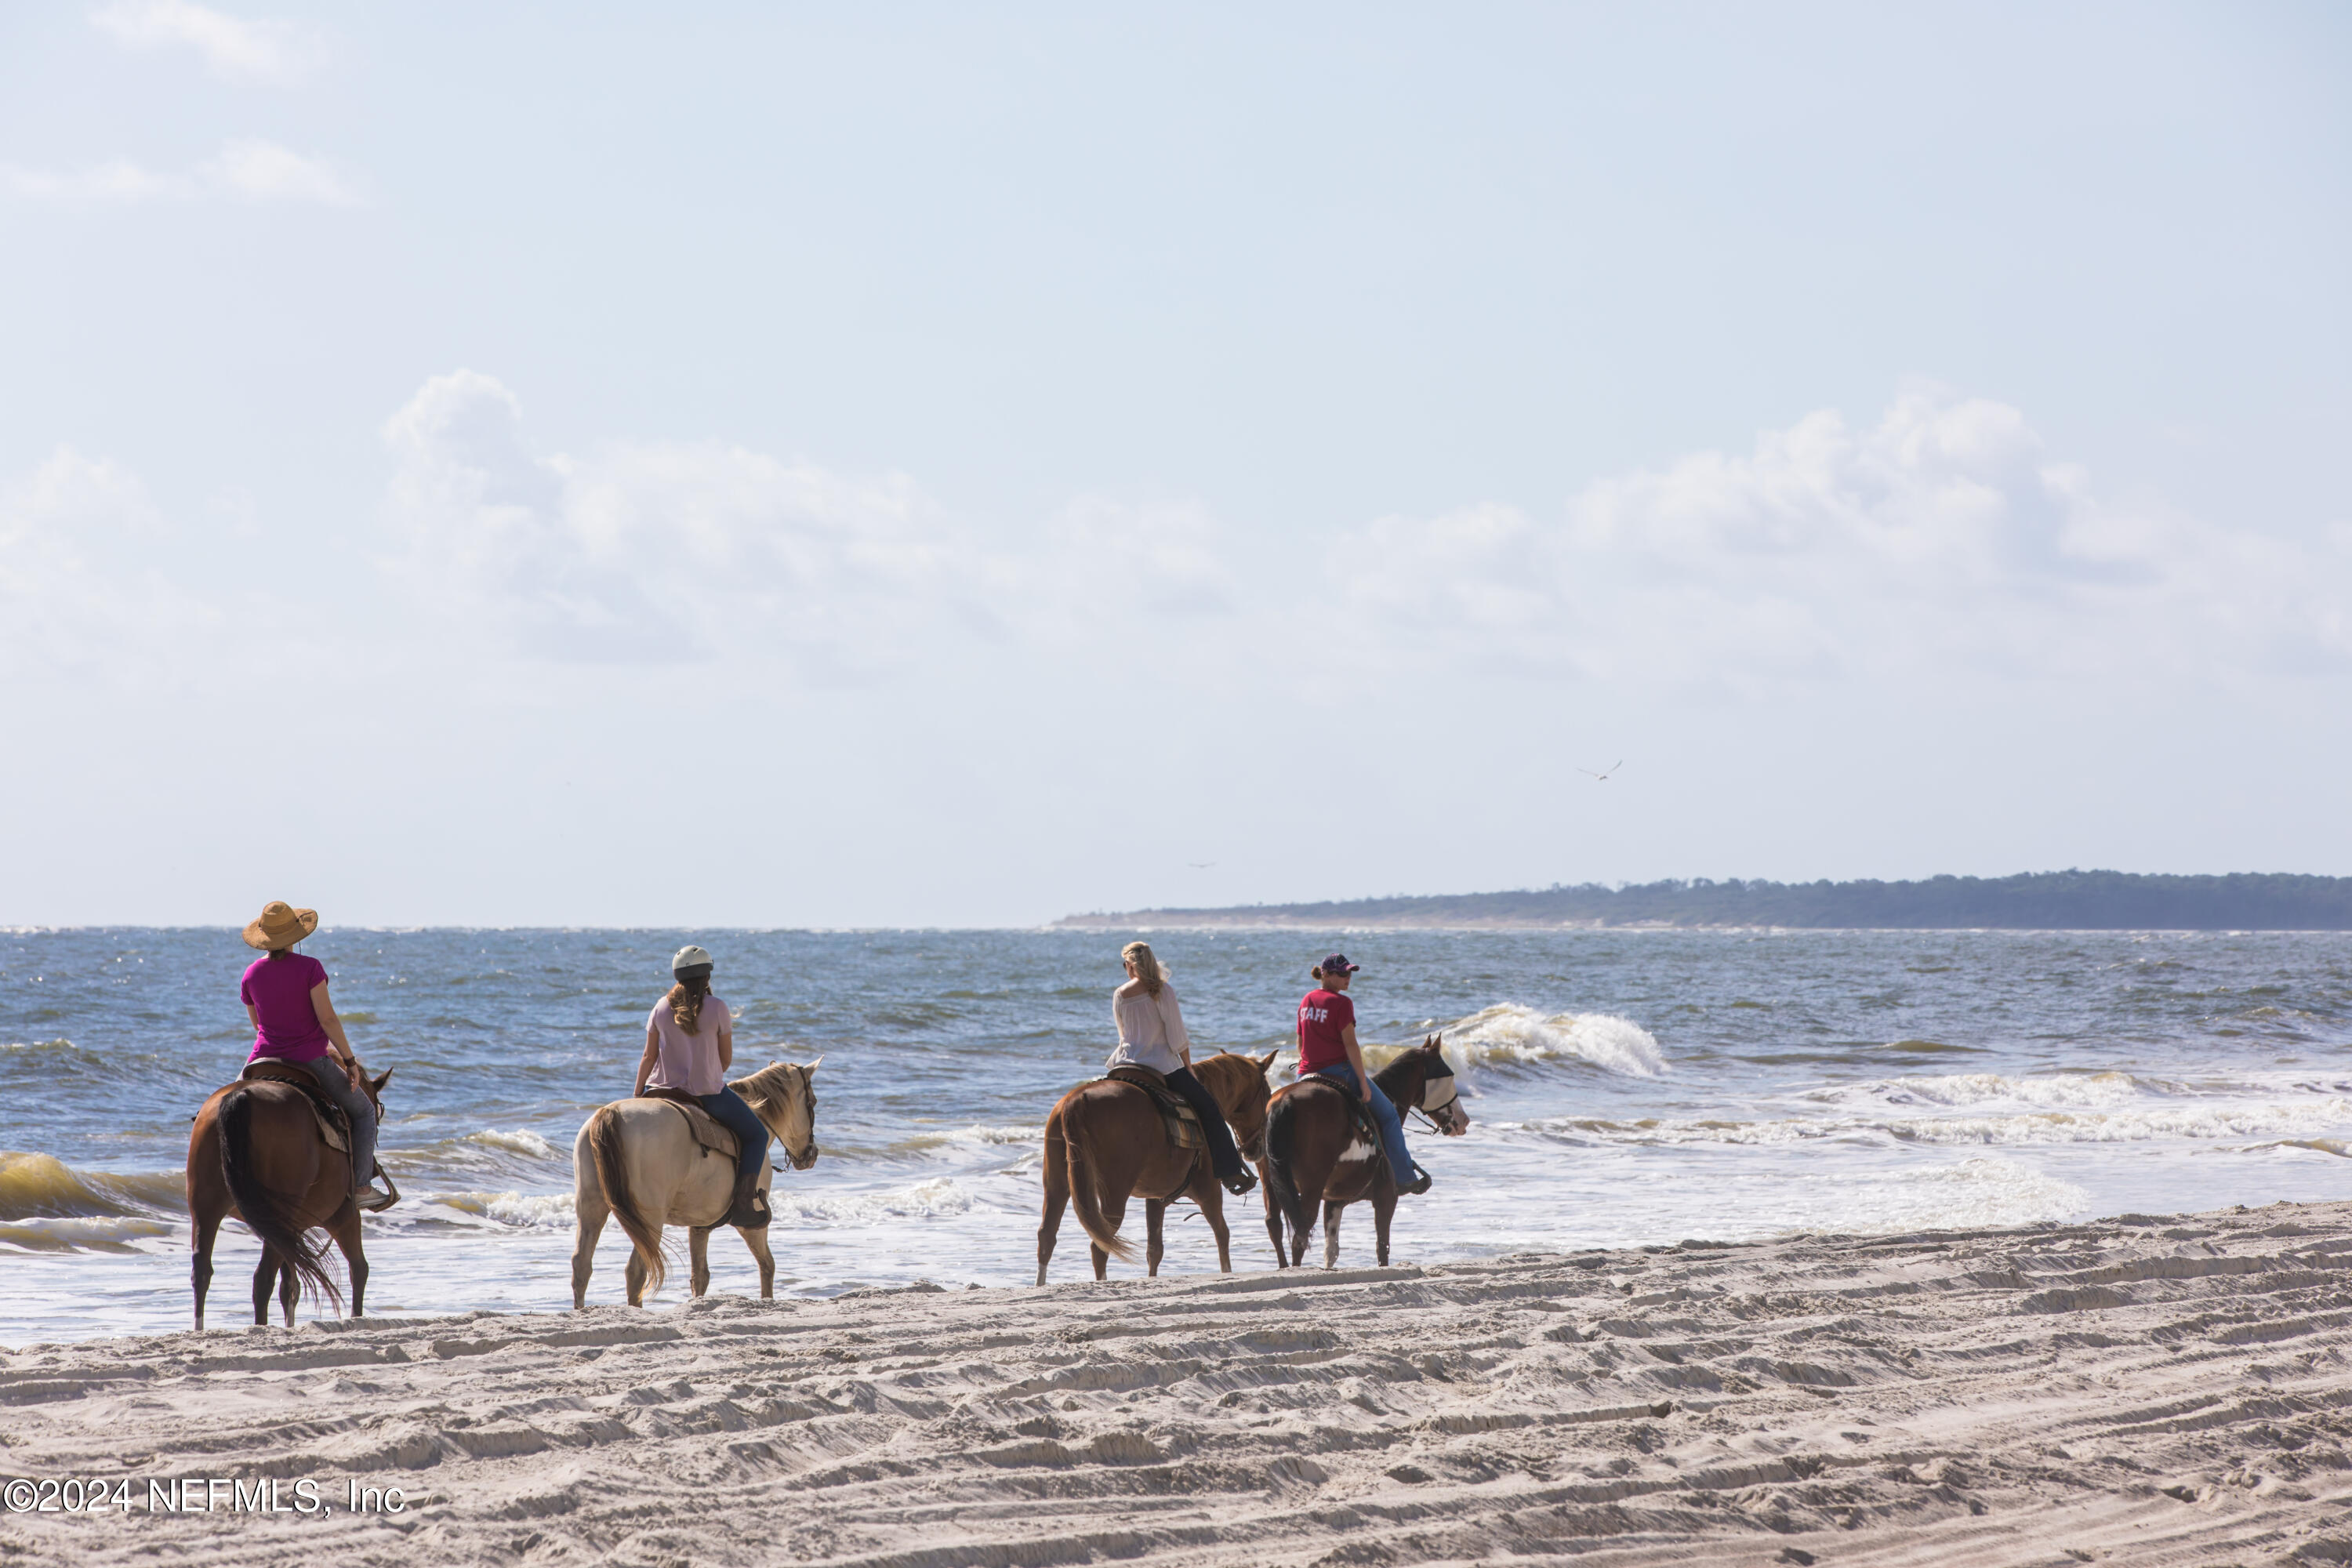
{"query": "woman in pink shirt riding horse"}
pixel 285 995
pixel 689 1045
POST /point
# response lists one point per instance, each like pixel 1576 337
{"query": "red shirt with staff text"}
pixel 1321 1017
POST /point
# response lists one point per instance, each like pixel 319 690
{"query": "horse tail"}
pixel 1281 1144
pixel 270 1216
pixel 613 1175
pixel 1084 1202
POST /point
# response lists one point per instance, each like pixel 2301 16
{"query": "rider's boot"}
pixel 1422 1182
pixel 1240 1181
pixel 374 1199
pixel 748 1208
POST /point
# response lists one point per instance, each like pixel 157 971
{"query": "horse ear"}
pixel 812 1066
pixel 1265 1062
pixel 1431 1044
pixel 380 1080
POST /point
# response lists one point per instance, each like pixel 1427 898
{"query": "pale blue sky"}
pixel 934 465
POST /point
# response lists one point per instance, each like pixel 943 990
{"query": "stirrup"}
pixel 370 1200
pixel 1240 1184
pixel 748 1208
pixel 1422 1182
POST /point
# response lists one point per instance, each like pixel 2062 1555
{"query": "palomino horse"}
pixel 1313 1144
pixel 1105 1143
pixel 256 1152
pixel 638 1162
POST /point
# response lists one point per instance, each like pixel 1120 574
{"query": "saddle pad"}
pixel 328 1115
pixel 714 1139
pixel 1176 1114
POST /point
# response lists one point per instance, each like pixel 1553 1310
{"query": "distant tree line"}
pixel 2047 900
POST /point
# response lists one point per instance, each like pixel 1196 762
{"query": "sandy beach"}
pixel 2144 1390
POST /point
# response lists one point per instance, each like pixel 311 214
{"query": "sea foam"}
pixel 1510 1035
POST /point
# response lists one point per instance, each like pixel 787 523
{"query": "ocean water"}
pixel 1626 1087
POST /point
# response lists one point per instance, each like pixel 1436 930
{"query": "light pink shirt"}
pixel 686 1061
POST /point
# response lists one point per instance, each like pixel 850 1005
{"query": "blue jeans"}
pixel 728 1109
pixel 329 1070
pixel 1384 1117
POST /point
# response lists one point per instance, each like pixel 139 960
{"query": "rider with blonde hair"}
pixel 1151 1034
pixel 689 1045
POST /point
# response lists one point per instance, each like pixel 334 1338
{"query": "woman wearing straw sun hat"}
pixel 285 995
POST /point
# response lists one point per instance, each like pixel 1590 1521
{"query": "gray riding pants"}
pixel 358 1107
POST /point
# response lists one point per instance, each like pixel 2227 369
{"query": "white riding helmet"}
pixel 689 957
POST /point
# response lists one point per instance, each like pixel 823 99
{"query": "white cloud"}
pixel 79 586
pixel 234 47
pixel 244 169
pixel 1942 542
pixel 1942 539
pixel 668 551
pixel 265 172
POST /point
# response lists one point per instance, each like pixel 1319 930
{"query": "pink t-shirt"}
pixel 686 1061
pixel 278 990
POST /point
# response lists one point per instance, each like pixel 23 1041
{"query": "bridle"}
pixel 801 1159
pixel 1434 1110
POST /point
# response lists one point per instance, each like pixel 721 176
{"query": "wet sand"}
pixel 2143 1391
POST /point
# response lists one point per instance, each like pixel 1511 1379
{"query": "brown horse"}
pixel 1314 1145
pixel 1105 1143
pixel 256 1152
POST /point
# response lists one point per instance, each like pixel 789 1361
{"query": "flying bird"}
pixel 1200 865
pixel 1604 777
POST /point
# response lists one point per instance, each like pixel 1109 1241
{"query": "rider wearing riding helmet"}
pixel 689 1044
pixel 1328 1048
pixel 1152 1036
pixel 285 995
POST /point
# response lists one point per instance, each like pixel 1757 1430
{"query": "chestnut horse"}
pixel 256 1152
pixel 1105 1143
pixel 1313 1144
pixel 637 1162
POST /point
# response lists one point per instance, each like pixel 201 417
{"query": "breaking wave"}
pixel 2088 1091
pixel 930 1199
pixel 514 1211
pixel 116 1234
pixel 1508 1035
pixel 2106 1107
pixel 42 1186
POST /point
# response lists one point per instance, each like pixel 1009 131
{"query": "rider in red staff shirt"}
pixel 1328 1048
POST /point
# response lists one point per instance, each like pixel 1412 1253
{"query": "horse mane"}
pixel 1392 1076
pixel 771 1084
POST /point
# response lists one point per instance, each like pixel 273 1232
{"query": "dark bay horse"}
pixel 1313 1146
pixel 256 1152
pixel 1105 1143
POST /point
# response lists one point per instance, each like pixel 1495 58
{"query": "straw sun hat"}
pixel 281 925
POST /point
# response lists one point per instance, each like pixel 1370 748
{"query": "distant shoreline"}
pixel 2042 901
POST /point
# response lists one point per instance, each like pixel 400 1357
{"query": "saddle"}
pixel 713 1138
pixel 332 1124
pixel 1176 1114
pixel 1359 1112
